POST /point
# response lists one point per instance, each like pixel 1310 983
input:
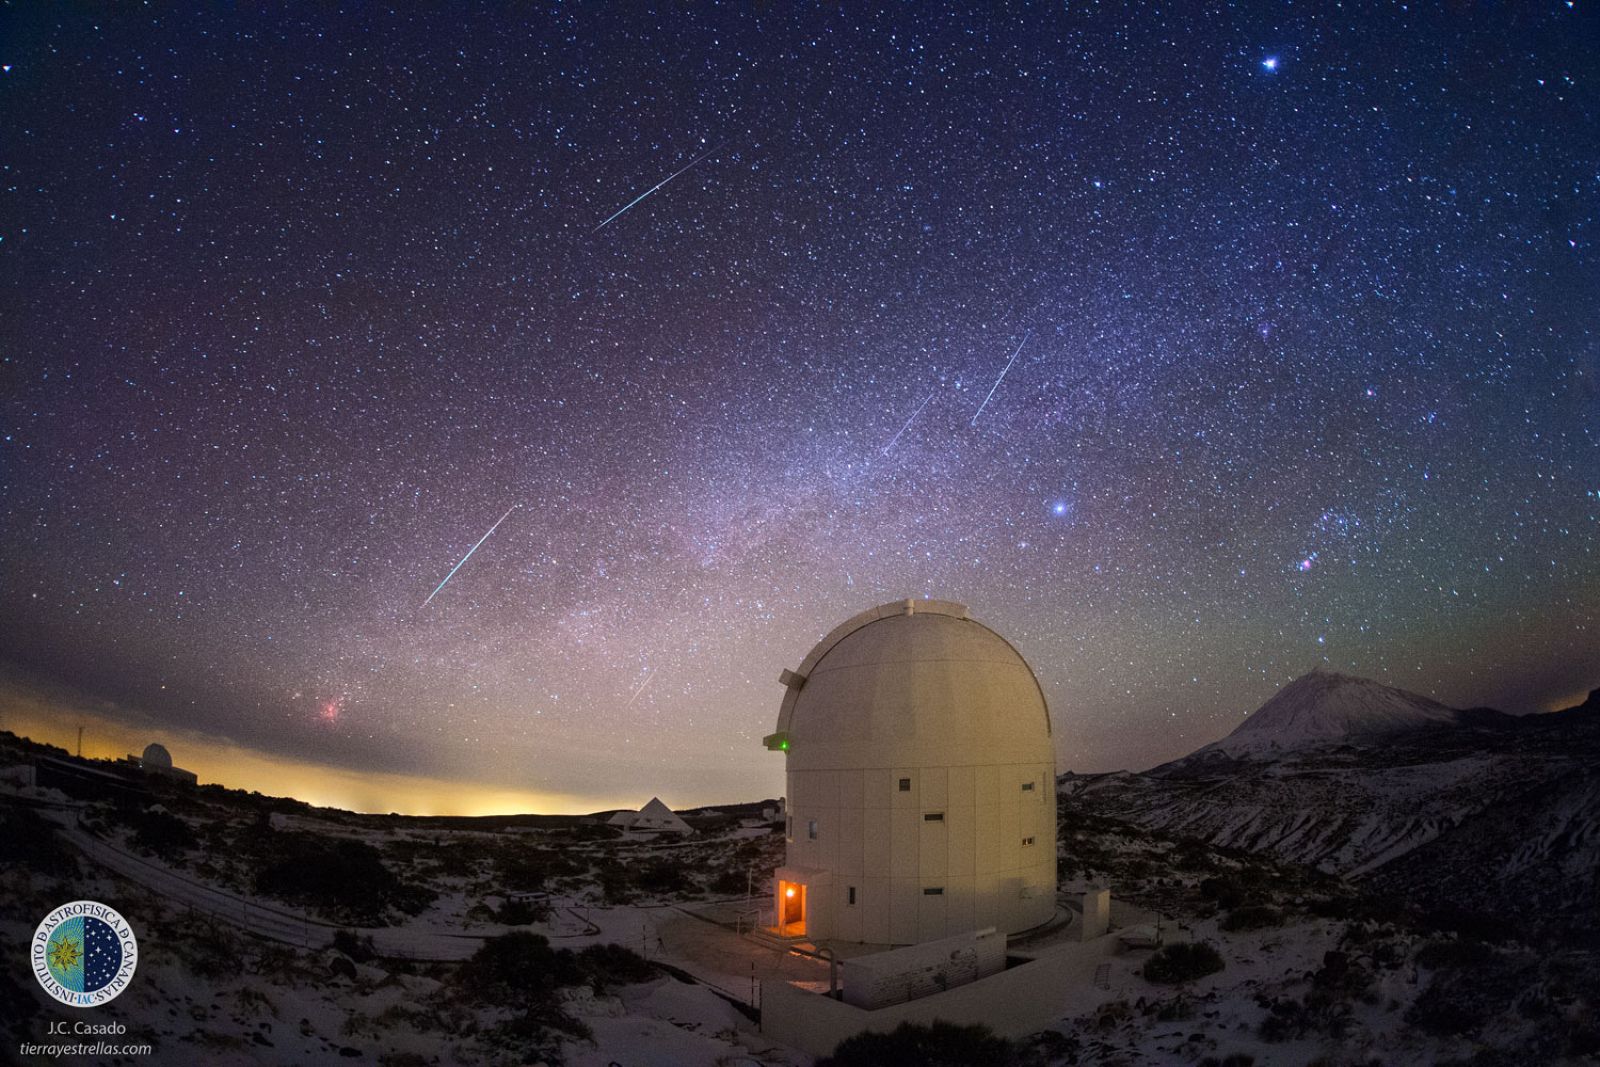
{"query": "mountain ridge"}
pixel 1475 809
pixel 1323 708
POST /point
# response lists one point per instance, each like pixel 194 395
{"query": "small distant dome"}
pixel 157 756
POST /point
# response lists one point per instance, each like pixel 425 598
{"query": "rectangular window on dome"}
pixel 933 891
pixel 1026 841
pixel 905 785
pixel 1027 787
pixel 811 829
pixel 850 895
pixel 933 816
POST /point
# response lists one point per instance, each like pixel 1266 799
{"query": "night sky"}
pixel 1189 352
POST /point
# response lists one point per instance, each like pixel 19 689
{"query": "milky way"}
pixel 298 302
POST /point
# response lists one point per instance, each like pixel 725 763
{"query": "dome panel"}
pixel 922 686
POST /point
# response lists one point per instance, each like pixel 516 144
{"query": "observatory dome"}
pixel 156 756
pixel 921 782
pixel 914 683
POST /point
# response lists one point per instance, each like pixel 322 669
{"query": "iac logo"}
pixel 84 953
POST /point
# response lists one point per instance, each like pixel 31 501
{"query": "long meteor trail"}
pixel 624 209
pixel 1000 379
pixel 907 426
pixel 468 556
pixel 639 690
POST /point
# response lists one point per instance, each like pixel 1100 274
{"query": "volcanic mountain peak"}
pixel 1325 707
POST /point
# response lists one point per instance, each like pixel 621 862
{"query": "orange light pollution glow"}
pixel 31 715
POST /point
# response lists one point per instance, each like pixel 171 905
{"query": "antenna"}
pixel 80 742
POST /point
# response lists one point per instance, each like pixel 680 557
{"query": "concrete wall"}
pixel 1096 914
pixel 1014 1003
pixel 884 978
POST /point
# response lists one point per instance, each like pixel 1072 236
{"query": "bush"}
pixel 730 882
pixel 166 835
pixel 1229 891
pixel 28 840
pixel 516 966
pixel 1182 962
pixel 523 872
pixel 940 1044
pixel 1252 917
pixel 519 971
pixel 357 946
pixel 605 965
pixel 1453 955
pixel 522 912
pixel 663 878
pixel 346 876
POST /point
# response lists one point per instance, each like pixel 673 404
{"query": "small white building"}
pixel 655 817
pixel 921 782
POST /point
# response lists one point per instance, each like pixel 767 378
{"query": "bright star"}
pixel 1270 64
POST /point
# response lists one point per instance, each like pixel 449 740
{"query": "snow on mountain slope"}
pixel 1497 813
pixel 1324 708
pixel 1331 814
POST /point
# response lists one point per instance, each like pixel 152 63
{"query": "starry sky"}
pixel 1189 350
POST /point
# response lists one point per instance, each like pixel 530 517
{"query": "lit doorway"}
pixel 791 909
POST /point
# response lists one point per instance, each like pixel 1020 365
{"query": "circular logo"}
pixel 84 953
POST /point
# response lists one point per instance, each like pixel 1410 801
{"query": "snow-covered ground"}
pixel 1314 970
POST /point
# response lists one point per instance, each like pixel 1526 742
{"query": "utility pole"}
pixel 80 742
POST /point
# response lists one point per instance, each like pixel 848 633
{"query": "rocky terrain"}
pixel 1475 810
pixel 1417 891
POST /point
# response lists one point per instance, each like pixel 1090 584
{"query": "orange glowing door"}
pixel 791 909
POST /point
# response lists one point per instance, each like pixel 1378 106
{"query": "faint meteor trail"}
pixel 468 556
pixel 1000 379
pixel 639 690
pixel 907 426
pixel 624 209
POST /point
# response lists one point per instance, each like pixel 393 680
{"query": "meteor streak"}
pixel 639 690
pixel 1000 379
pixel 907 426
pixel 623 210
pixel 468 556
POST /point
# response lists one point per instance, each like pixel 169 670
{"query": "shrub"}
pixel 1182 962
pixel 605 965
pixel 346 876
pixel 522 872
pixel 1252 917
pixel 939 1044
pixel 1228 891
pixel 730 882
pixel 517 969
pixel 663 878
pixel 165 835
pixel 522 912
pixel 1453 955
pixel 357 946
pixel 28 840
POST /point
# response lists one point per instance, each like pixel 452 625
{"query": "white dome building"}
pixel 921 782
pixel 156 758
